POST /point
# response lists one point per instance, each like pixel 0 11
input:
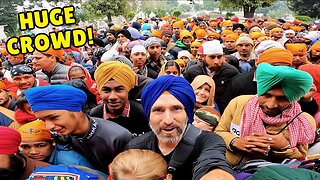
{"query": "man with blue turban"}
pixel 271 124
pixel 60 107
pixel 168 103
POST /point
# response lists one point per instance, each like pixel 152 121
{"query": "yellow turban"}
pixel 201 33
pixel 214 34
pixel 296 28
pixel 315 46
pixel 116 70
pixel 156 33
pixel 214 24
pixel 297 48
pixel 232 36
pixel 256 35
pixel 275 55
pixel 226 32
pixel 195 43
pixel 275 29
pixel 185 33
pixel 178 24
pixel 180 62
pixel 225 23
pixel 35 130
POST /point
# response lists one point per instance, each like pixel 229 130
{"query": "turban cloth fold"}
pixel 297 48
pixel 176 86
pixel 10 140
pixel 275 55
pixel 294 83
pixel 117 71
pixel 35 130
pixel 56 97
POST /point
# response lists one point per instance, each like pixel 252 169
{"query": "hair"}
pixel 74 69
pixel 21 100
pixel 137 164
pixel 172 63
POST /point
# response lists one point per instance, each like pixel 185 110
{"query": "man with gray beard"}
pixel 168 103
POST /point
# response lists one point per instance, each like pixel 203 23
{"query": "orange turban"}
pixel 201 33
pixel 214 24
pixel 275 55
pixel 315 46
pixel 226 32
pixel 184 33
pixel 156 33
pixel 286 25
pixel 180 62
pixel 256 35
pixel 166 26
pixel 225 23
pixel 178 24
pixel 214 34
pixel 275 29
pixel 232 36
pixel 4 51
pixel 195 43
pixel 297 48
pixel 296 28
pixel 35 130
pixel 58 53
pixel 3 85
pixel 116 28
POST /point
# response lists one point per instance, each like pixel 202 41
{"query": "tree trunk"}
pixel 248 11
pixel 109 18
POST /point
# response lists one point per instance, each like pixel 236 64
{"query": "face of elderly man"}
pixel 168 118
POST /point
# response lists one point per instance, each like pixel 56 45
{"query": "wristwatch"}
pixel 232 147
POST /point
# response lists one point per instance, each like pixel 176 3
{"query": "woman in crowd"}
pixel 170 67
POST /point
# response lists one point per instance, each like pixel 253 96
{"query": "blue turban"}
pixel 175 85
pixel 293 82
pixel 56 97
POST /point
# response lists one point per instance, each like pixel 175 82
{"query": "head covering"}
pixel 289 31
pixel 156 33
pixel 294 83
pixel 315 46
pixel 55 97
pixel 275 55
pixel 297 48
pixel 232 37
pixel 275 29
pixel 136 25
pixel 312 35
pixel 215 34
pixel 175 85
pixel 112 31
pixel 195 43
pixel 226 32
pixel 124 32
pixel 266 44
pixel 212 47
pixel 314 71
pixel 151 41
pixel 3 85
pixel 166 31
pixel 184 53
pixel 35 130
pixel 244 39
pixel 255 29
pixel 10 140
pixel 256 35
pixel 201 80
pixel 185 33
pixel 21 69
pixel 78 57
pixel 178 24
pixel 201 33
pixel 57 53
pixel 146 26
pixel 135 34
pixel 225 23
pixel 237 25
pixel 208 115
pixel 118 71
pixel 134 43
pixel 295 28
pixel 138 48
pixel 146 32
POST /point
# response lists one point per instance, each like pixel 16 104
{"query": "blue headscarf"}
pixel 56 97
pixel 175 85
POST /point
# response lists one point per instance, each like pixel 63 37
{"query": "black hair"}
pixel 21 100
pixel 172 63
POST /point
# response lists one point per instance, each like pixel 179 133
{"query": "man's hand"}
pixel 135 69
pixel 252 144
pixel 278 140
pixel 309 95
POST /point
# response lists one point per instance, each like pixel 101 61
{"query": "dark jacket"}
pixel 208 153
pixel 151 73
pixel 102 143
pixel 178 47
pixel 135 93
pixel 136 123
pixel 58 75
pixel 221 78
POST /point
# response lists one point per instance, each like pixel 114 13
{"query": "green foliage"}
pixel 9 16
pixel 305 19
pixel 305 7
pixel 279 8
pixel 276 14
pixel 176 13
pixel 102 8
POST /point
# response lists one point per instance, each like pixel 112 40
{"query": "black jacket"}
pixel 136 123
pixel 135 93
pixel 221 78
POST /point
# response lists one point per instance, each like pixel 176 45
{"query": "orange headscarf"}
pixel 297 48
pixel 201 80
pixel 275 55
pixel 58 53
pixel 35 130
pixel 201 33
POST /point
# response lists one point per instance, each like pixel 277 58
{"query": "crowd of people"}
pixel 162 98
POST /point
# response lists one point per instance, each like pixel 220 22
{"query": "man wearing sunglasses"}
pixel 215 66
pixel 13 165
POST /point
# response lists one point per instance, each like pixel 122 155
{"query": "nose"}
pixel 23 81
pixel 33 151
pixel 112 95
pixel 167 117
pixel 272 103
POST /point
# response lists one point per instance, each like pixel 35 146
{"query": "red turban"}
pixel 10 140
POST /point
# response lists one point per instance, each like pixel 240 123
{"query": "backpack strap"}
pixel 184 148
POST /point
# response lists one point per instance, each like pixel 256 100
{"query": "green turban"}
pixel 294 83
